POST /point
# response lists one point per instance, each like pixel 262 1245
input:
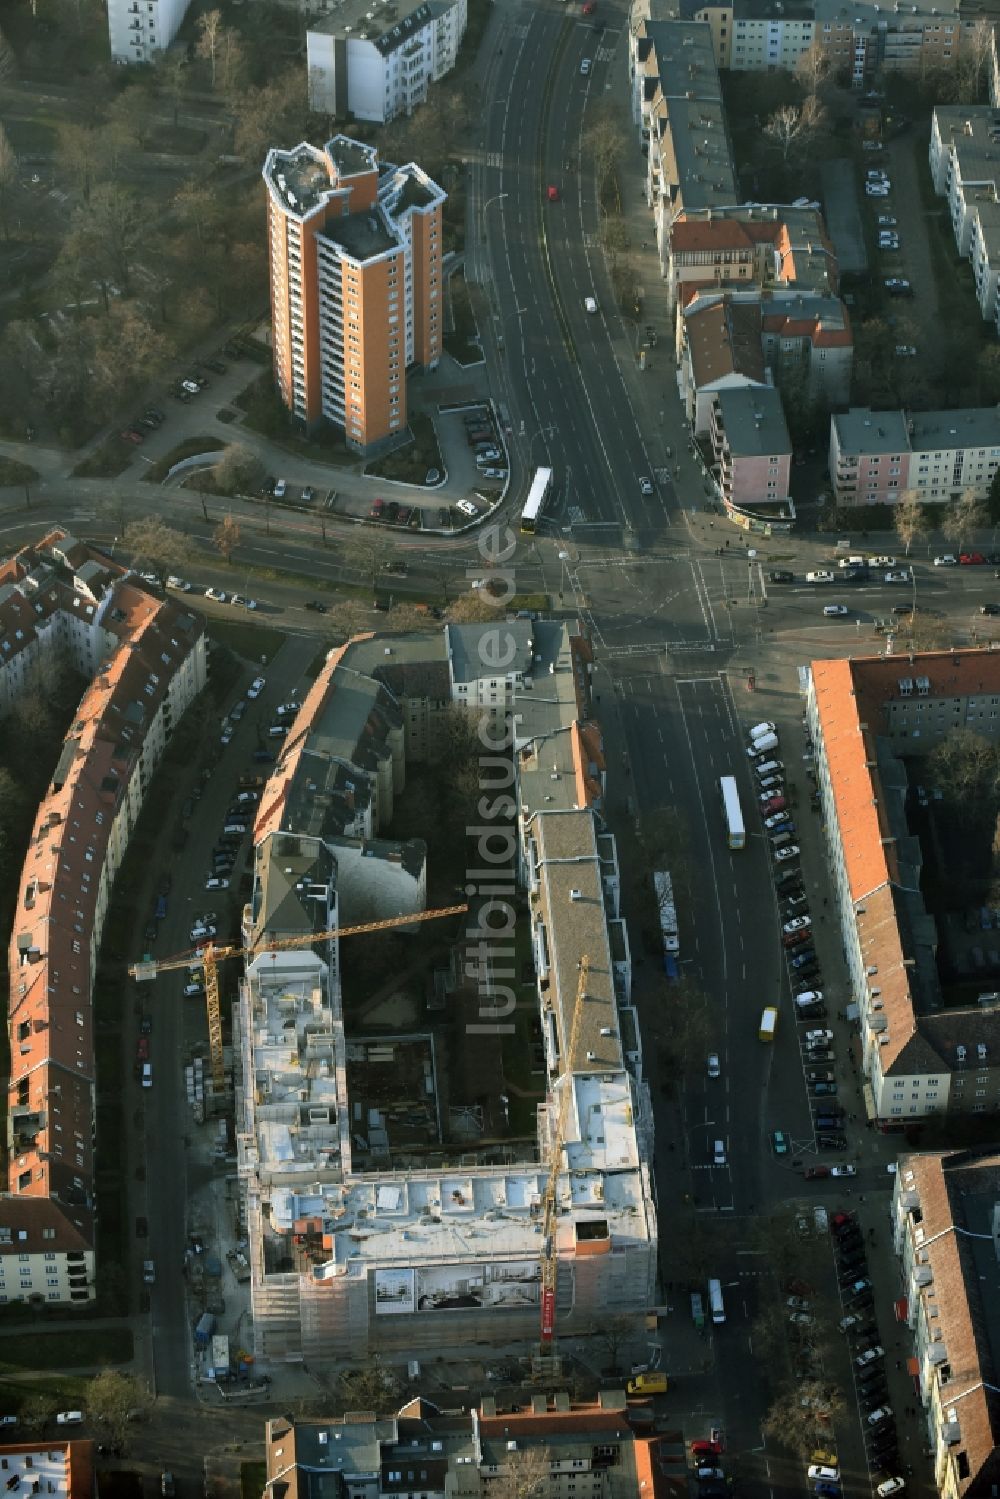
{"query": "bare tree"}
pixel 910 519
pixel 964 518
pixel 814 68
pixel 227 537
pixel 8 61
pixel 369 1387
pixel 112 1399
pixel 802 1416
pixel 9 182
pixel 151 541
pixel 475 607
pixel 172 72
pixel 526 1474
pixel 967 765
pixel 794 127
pixel 238 470
pixel 207 46
pixel 81 153
pixel 976 47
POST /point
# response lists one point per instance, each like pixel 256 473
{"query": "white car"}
pixel 585 67
pixel 590 304
pixel 819 577
pixel 810 996
pixel 256 687
pixel 905 351
pixel 466 507
pixel 884 1413
pixel 645 486
pixel 214 883
pixel 69 1418
pixel 181 585
pixel 818 1473
pixel 818 1038
pixel 883 560
pixel 835 611
pixel 800 1319
pixel 247 798
pixel 284 710
pixel 947 559
pixel 890 1486
pixel 226 734
pixel 775 820
pixel 760 729
pixel 843 1171
pixel 192 990
pixel 239 602
pixel 714 1070
pixel 791 851
pixel 870 1356
pixel 217 595
pixel 897 577
pixel 191 387
pixel 797 924
pixel 876 190
pixel 886 221
pixel 876 174
pixel 200 931
pixel 797 1304
pixel 279 489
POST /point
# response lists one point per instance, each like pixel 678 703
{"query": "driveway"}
pixel 907 205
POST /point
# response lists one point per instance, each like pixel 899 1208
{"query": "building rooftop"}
pixel 64 1469
pixel 861 430
pixel 964 427
pixel 723 338
pixel 972 132
pixel 754 420
pixel 365 236
pixel 388 24
pixel 868 15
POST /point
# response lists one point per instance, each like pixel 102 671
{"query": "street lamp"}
pixel 496 198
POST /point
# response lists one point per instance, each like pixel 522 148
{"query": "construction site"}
pixel 397 1155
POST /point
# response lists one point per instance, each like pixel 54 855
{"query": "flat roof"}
pixel 861 430
pixel 754 420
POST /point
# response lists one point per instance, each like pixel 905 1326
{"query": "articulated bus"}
pixel 736 834
pixel 541 486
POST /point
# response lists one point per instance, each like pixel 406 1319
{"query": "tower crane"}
pixel 550 1255
pixel 212 955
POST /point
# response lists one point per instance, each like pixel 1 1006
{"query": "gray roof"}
pixel 285 865
pixel 472 647
pixel 861 430
pixel 867 15
pixel 386 25
pixel 754 420
pixel 966 427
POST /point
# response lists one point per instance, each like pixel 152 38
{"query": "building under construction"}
pixel 373 1225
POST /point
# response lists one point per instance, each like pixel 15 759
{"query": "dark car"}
pixel 316 606
pixel 831 1142
pixel 216 365
pixel 989 608
pixel 381 606
pixel 781 575
pixel 141 1228
pixel 154 415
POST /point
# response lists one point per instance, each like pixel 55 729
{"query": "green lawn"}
pixel 253 1477
pixel 83 1348
pixel 107 461
pixel 63 1390
pixel 247 640
pixel 12 472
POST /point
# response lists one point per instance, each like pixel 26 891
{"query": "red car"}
pixel 816 1173
pixel 132 434
pixel 793 939
pixel 776 804
pixel 142 1049
pixel 552 193
pixel 971 559
pixel 706 1449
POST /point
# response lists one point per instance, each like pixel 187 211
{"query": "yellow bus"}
pixel 768 1024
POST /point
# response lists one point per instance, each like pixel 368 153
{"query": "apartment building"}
pixel 350 1252
pixel 355 270
pixel 677 107
pixel 757 36
pixel 591 1448
pixel 945 1217
pixel 139 30
pixel 867 717
pixel 149 657
pixel 876 456
pixel 376 59
pixel 755 244
pixel 897 37
pixel 719 347
pixel 751 448
pixel 964 159
pixel 64 1469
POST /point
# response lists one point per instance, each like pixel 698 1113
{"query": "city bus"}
pixel 715 1301
pixel 736 834
pixel 541 485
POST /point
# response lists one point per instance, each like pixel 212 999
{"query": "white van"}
pixel 763 746
pixel 590 303
pixel 147 1074
pixel 852 562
